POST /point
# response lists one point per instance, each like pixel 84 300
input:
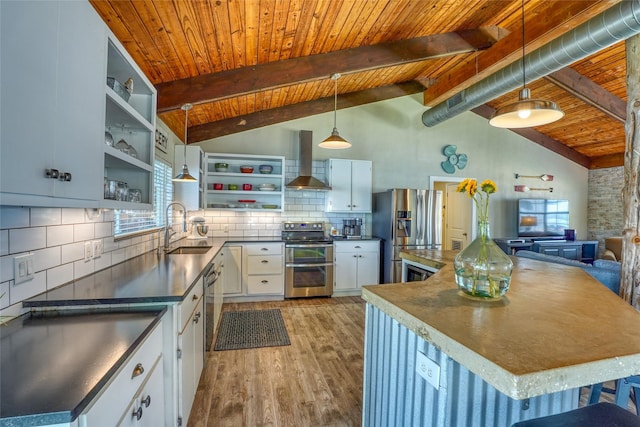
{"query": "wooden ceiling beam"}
pixel 608 161
pixel 591 93
pixel 540 139
pixel 555 22
pixel 290 112
pixel 245 80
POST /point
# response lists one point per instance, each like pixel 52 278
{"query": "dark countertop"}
pixel 43 355
pixel 148 278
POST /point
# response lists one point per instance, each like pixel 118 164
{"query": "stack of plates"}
pixel 266 187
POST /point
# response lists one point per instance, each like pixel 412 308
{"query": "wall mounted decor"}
pixel 525 189
pixel 543 177
pixel 161 141
pixel 453 160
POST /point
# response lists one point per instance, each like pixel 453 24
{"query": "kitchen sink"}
pixel 184 250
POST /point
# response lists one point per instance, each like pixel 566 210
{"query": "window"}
pixel 135 221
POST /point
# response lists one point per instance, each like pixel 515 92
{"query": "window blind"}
pixel 135 221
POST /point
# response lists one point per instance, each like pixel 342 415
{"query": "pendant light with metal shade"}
pixel 335 141
pixel 526 112
pixel 185 176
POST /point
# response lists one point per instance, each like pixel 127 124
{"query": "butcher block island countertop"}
pixel 556 329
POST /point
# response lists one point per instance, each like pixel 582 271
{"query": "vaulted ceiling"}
pixel 245 64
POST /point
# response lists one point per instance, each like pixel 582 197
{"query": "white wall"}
pixel 405 153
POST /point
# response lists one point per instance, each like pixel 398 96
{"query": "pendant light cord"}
pixel 524 80
pixel 335 100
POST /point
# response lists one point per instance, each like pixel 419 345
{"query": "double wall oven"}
pixel 308 260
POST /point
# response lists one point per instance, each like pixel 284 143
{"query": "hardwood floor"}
pixel 316 381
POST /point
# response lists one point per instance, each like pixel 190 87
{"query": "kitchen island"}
pixel 492 363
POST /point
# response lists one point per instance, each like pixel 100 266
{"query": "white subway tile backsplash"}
pixel 59 235
pixel 24 290
pixel 102 262
pixel 4 295
pixel 109 244
pixel 82 232
pixel 27 239
pixel 45 216
pixel 117 256
pixel 13 217
pixel 72 216
pixel 6 268
pixel 4 242
pixel 103 229
pixel 82 268
pixel 72 252
pixel 44 259
pixel 59 275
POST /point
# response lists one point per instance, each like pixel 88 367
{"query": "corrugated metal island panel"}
pixel 396 395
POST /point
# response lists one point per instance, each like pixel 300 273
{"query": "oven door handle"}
pixel 308 245
pixel 315 264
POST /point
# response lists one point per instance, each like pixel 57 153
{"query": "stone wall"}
pixel 605 216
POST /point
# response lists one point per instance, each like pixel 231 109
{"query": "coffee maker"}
pixel 352 228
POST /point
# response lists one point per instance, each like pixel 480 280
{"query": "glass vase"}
pixel 482 269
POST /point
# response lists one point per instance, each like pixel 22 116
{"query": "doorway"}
pixel 458 213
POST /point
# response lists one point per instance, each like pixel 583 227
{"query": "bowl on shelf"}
pixel 266 187
pixel 265 169
pixel 217 205
pixel 232 187
pixel 221 167
pixel 270 206
pixel 246 169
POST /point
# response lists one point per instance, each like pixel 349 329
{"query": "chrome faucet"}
pixel 168 232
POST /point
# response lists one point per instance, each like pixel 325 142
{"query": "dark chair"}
pixel 599 415
pixel 622 392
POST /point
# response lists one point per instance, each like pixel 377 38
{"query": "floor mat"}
pixel 251 329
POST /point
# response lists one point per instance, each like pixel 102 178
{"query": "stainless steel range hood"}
pixel 305 181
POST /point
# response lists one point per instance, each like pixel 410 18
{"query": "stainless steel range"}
pixel 308 260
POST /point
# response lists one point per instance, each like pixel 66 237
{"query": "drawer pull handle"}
pixel 137 414
pixel 355 256
pixel 265 282
pixel 138 370
pixel 196 318
pixel 146 401
pixel 357 247
pixel 194 297
pixel 264 249
pixel 264 261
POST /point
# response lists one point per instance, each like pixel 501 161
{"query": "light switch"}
pixel 428 369
pixel 88 251
pixel 23 268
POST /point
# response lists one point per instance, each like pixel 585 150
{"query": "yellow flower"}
pixel 472 188
pixel 489 186
pixel 462 187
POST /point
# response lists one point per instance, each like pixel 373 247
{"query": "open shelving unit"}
pixel 226 199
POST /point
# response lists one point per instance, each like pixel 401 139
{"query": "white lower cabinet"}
pixel 190 353
pixel 356 263
pixel 231 277
pixel 147 408
pixel 263 268
pixel 140 378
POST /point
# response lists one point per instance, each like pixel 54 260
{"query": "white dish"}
pixel 267 188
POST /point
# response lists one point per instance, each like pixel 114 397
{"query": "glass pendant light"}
pixel 525 112
pixel 185 176
pixel 335 141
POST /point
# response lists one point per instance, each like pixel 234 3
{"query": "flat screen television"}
pixel 542 217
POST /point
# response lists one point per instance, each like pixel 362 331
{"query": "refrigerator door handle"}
pixel 420 219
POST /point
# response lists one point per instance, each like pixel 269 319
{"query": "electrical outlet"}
pixel 97 248
pixel 88 251
pixel 428 369
pixel 23 268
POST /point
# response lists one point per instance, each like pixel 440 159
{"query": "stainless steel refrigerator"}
pixel 405 219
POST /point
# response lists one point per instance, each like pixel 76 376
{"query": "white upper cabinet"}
pixel 52 57
pixel 351 186
pixel 55 58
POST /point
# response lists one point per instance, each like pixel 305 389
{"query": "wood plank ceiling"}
pixel 251 63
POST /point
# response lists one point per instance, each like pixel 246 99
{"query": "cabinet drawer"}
pixel 357 246
pixel 107 408
pixel 189 303
pixel 268 264
pixel 265 284
pixel 264 249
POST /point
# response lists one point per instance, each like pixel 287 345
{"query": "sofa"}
pixel 612 249
pixel 605 271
